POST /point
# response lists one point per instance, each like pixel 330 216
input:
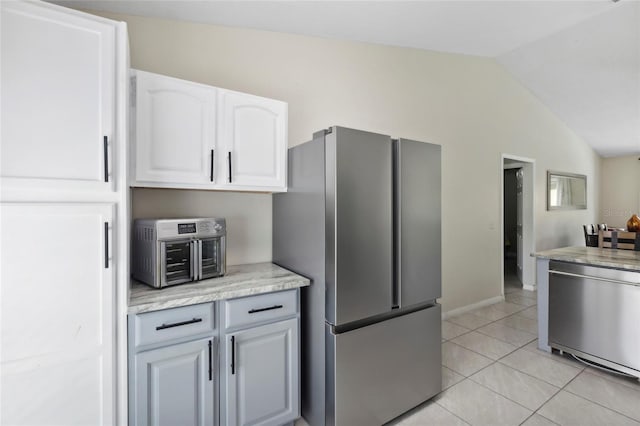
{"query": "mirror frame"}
pixel 574 206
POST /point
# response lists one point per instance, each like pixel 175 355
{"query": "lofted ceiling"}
pixel 580 58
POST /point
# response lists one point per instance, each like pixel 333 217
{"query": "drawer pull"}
pixel 253 311
pixel 178 324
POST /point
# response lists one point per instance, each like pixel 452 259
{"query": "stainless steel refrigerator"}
pixel 362 220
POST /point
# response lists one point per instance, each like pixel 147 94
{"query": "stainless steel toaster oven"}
pixel 175 251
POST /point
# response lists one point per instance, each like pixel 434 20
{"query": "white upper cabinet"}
pixel 175 131
pixel 190 135
pixel 58 99
pixel 253 133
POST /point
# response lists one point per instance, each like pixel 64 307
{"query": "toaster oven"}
pixel 168 252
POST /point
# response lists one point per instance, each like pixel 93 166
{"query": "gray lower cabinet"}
pixel 173 374
pixel 261 383
pixel 175 386
pixel 185 371
pixel 260 360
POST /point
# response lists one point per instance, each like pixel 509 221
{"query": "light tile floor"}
pixel 494 374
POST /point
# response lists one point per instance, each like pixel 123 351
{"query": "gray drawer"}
pixel 251 310
pixel 176 323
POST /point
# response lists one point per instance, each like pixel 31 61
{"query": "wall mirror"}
pixel 566 191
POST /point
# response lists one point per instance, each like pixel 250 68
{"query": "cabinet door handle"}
pixel 253 311
pixel 178 324
pixel 212 162
pixel 229 159
pixel 106 159
pixel 233 355
pixel 210 362
pixel 106 245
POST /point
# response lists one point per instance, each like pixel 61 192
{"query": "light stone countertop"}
pixel 240 280
pixel 595 256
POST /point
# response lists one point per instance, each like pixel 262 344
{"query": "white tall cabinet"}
pixel 63 217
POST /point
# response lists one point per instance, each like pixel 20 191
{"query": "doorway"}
pixel 512 228
pixel 517 223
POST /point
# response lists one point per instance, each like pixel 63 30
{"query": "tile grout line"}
pixel 608 377
pixel 536 413
pixel 492 322
pixel 553 396
pixel 522 372
pixel 504 340
pixel 596 402
pixel 547 358
pixel 451 412
pixel 470 350
pixel 538 378
pixel 488 306
pixel 500 394
pixel 483 355
pixel 493 363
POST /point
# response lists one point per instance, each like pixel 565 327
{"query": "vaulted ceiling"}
pixel 580 58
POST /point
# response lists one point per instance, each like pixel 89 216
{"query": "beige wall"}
pixel 248 216
pixel 469 105
pixel 620 190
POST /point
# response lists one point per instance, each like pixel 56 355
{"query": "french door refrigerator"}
pixel 362 220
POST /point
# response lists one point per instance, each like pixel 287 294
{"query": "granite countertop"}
pixel 595 256
pixel 240 280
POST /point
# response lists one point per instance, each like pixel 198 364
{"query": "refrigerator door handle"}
pixel 397 226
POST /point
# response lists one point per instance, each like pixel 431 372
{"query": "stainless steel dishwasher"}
pixel 594 313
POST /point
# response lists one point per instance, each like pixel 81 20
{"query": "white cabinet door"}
pixel 253 134
pixel 175 131
pixel 175 385
pixel 57 314
pixel 262 375
pixel 190 135
pixel 58 85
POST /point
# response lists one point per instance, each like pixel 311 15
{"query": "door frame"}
pixel 528 165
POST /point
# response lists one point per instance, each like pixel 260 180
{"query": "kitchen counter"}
pixel 627 260
pixel 594 256
pixel 240 280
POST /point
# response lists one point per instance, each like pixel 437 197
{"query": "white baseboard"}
pixel 473 306
pixel 529 287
